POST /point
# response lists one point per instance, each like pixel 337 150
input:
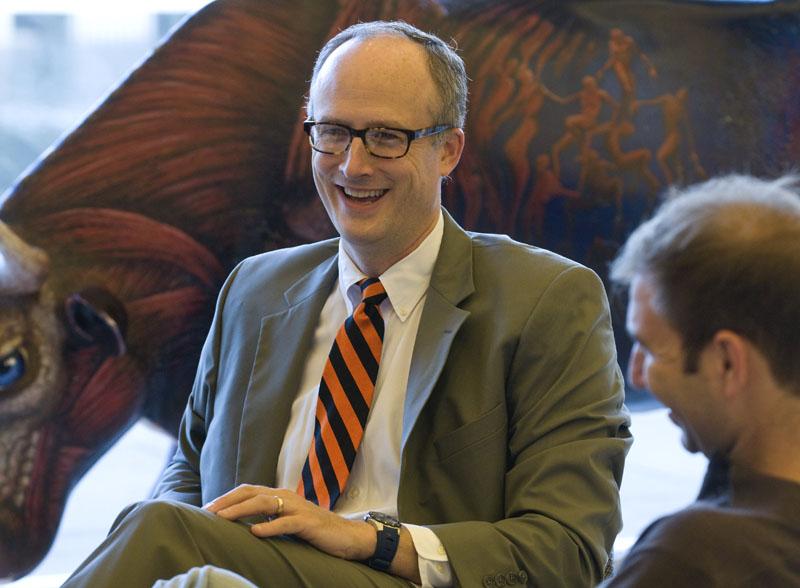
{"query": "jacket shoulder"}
pixel 498 257
pixel 267 276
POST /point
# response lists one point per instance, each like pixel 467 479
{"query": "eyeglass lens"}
pixel 335 139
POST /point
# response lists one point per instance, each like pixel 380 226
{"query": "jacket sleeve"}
pixel 567 440
pixel 181 478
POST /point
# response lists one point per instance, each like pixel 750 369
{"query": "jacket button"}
pixel 523 577
pixel 512 578
pixel 499 580
pixel 488 581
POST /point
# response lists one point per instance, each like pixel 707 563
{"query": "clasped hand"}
pixel 288 513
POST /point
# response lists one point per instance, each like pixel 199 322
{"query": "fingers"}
pixel 283 525
pixel 261 505
pixel 283 512
pixel 232 497
pixel 307 522
pixel 248 500
pixel 321 528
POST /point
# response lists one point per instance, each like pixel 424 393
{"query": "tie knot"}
pixel 372 291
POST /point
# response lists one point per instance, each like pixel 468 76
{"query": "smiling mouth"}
pixel 368 196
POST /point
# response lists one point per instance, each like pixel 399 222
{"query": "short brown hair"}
pixel 725 254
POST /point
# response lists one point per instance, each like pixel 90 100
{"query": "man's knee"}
pixel 167 516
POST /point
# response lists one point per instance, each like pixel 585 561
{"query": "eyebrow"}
pixel 369 125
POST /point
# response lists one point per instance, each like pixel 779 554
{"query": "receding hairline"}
pixel 379 36
pixel 731 210
pixel 444 64
pixel 372 36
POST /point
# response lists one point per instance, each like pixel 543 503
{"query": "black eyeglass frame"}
pixel 362 134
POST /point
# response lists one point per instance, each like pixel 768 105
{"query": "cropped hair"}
pixel 725 254
pixel 446 67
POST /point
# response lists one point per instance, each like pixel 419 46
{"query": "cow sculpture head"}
pixel 42 428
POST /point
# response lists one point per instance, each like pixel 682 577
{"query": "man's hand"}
pixel 325 530
pixel 288 513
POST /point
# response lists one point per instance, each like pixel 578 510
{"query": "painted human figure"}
pixel 578 126
pixel 677 134
pixel 622 52
pixel 525 109
pixel 635 160
pixel 547 186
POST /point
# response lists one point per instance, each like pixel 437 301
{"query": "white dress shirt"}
pixel 375 477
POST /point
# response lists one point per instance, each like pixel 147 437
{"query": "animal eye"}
pixel 12 368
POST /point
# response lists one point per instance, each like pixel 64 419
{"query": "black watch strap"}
pixel 388 541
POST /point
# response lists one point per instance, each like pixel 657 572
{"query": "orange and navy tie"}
pixel 345 397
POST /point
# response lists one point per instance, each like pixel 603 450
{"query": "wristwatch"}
pixel 388 529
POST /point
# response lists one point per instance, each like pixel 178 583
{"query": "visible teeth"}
pixel 362 193
pixel 19 453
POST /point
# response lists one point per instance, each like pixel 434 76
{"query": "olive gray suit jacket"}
pixel 514 430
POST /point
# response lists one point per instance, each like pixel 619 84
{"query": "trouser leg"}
pixel 158 539
pixel 206 577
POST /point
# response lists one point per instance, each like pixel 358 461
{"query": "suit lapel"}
pixel 287 334
pixel 451 282
pixel 278 366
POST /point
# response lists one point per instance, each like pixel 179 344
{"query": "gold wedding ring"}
pixel 279 508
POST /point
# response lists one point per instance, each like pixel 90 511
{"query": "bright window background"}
pixel 58 59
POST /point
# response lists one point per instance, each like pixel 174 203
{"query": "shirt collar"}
pixel 405 282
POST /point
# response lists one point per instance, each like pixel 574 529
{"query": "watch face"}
pixel 384 519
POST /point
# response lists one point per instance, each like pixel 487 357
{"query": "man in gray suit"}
pixel 495 439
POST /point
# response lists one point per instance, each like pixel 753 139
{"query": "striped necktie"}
pixel 345 397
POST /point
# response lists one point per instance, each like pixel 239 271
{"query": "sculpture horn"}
pixel 23 267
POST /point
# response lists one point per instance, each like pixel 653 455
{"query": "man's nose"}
pixel 636 369
pixel 357 160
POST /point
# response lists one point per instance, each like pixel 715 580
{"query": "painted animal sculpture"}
pixel 115 245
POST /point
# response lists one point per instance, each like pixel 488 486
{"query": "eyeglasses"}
pixel 382 142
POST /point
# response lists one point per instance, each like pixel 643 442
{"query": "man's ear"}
pixel 729 354
pixel 452 146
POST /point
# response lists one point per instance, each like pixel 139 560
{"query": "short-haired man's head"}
pixel 446 67
pixel 725 254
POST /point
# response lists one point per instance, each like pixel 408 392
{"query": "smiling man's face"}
pixel 657 364
pixel 382 208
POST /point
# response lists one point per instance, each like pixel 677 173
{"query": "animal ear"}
pixel 97 317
